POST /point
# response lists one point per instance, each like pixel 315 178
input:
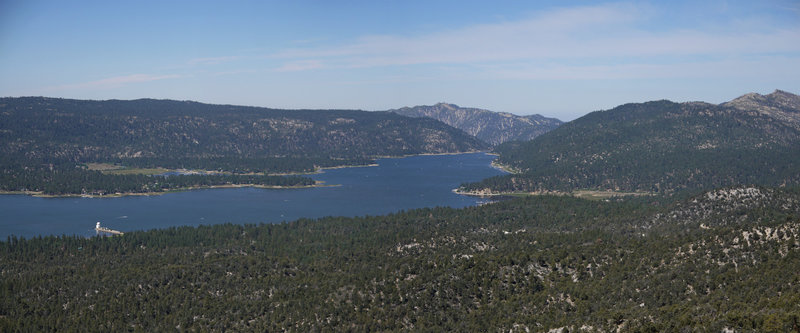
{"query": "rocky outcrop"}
pixel 780 105
pixel 489 126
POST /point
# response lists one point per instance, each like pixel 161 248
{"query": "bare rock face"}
pixel 489 126
pixel 737 205
pixel 780 105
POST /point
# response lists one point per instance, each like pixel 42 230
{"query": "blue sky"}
pixel 559 58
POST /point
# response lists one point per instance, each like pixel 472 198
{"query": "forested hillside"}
pixel 661 146
pixel 48 140
pixel 489 126
pixel 174 130
pixel 724 259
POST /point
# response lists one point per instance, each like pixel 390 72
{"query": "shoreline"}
pixel 585 194
pixel 504 168
pixel 39 194
pixel 320 170
pixel 436 154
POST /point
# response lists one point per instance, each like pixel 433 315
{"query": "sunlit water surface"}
pixel 395 184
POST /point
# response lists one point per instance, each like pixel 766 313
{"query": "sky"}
pixel 560 59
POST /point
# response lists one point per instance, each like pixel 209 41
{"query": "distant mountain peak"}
pixel 661 146
pixel 779 92
pixel 784 98
pixel 489 126
pixel 698 104
pixel 780 105
pixel 447 105
pixel 777 96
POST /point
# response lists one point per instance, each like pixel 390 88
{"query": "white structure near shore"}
pixel 100 229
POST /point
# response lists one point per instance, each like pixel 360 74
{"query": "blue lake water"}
pixel 395 184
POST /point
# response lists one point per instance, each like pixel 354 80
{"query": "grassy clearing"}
pixel 583 194
pixel 103 166
pixel 135 171
pixel 600 195
pixel 116 169
pixel 505 168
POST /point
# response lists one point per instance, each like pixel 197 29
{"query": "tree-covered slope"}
pixel 45 142
pixel 725 259
pixel 98 130
pixel 660 146
pixel 489 126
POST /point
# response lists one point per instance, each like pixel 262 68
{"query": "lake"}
pixel 395 184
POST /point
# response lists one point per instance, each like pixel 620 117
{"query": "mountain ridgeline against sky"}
pixel 97 130
pixel 492 127
pixel 661 146
pixel 724 257
pixel 45 142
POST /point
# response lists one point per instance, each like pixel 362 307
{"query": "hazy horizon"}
pixel 559 59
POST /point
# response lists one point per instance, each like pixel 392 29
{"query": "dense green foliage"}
pixel 62 180
pixel 722 259
pixel 44 141
pixel 272 165
pixel 99 130
pixel 656 147
pixel 710 261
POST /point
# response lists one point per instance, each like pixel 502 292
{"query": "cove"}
pixel 395 184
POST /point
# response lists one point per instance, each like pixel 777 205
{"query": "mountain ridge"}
pixel 47 144
pixel 779 104
pixel 490 126
pixel 660 146
pixel 256 130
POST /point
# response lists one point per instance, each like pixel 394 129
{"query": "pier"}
pixel 100 229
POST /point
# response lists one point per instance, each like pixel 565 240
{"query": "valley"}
pixel 400 166
pixel 655 216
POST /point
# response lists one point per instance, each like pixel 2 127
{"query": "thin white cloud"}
pixel 477 42
pixel 772 66
pixel 605 34
pixel 236 72
pixel 213 60
pixel 116 82
pixel 300 65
